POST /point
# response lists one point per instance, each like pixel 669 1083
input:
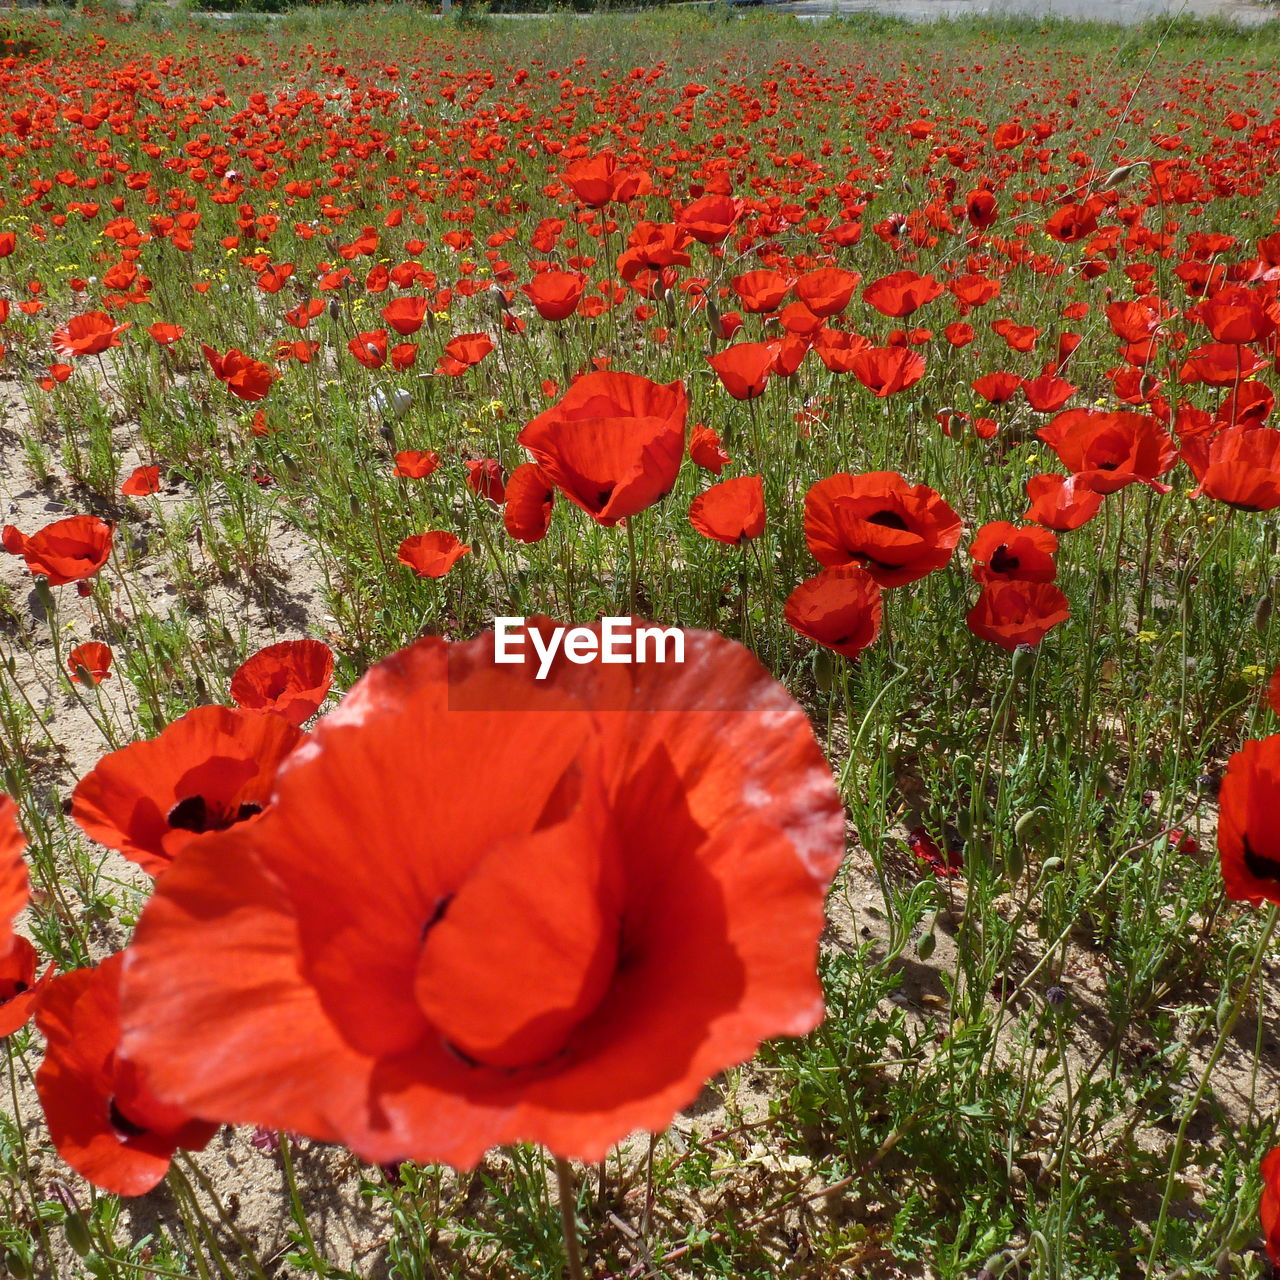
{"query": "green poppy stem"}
pixel 568 1221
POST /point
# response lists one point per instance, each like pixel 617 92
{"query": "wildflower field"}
pixel 910 911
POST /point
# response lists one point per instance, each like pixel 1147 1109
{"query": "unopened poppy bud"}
pixel 1023 661
pixel 1262 615
pixel 76 1230
pixel 17 1264
pixel 1014 862
pixel 290 468
pixel 714 321
pixel 335 308
pixel 927 945
pixel 1223 1011
pixel 964 824
pixel 44 593
pixel 823 669
pixel 1025 826
pixel 354 502
pixel 1120 175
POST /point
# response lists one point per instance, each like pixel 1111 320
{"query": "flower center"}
pixel 195 813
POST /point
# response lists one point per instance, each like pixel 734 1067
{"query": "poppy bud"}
pixel 1023 661
pixel 290 468
pixel 45 595
pixel 335 308
pixel 1120 175
pixel 355 504
pixel 1014 863
pixel 927 944
pixel 823 669
pixel 17 1264
pixel 1025 826
pixel 714 321
pixel 76 1229
pixel 1262 615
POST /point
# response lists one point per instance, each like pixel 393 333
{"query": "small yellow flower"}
pixel 1145 637
pixel 1252 672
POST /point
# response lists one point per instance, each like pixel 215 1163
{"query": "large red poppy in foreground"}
pixel 612 890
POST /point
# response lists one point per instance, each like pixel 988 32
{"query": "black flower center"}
pixel 1259 865
pixel 1003 562
pixel 195 813
pixel 888 520
pixel 121 1123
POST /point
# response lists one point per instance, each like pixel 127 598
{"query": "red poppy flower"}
pixel 1072 222
pixel 613 444
pixel 943 862
pixel 1269 1205
pixel 837 348
pixel 1219 365
pixel 245 377
pixel 997 388
pixel 827 291
pixel 901 293
pixel 981 210
pixel 468 348
pixel 20 989
pixel 654 874
pixel 530 497
pixel 598 180
pixel 102 1116
pixel 1243 468
pixel 486 480
pixel 166 334
pixel 207 771
pixel 1237 315
pixel 1133 321
pixel 709 219
pixel 1108 451
pixel 141 481
pixel 416 464
pixel 1048 394
pixel 14 881
pixel 88 335
pixel 705 450
pixel 370 348
pixel 732 511
pixel 93 659
pixel 1248 841
pixel 760 291
pixel 556 294
pixel 431 555
pixel 69 550
pixel 1013 613
pixel 291 678
pixel 1002 551
pixel 743 369
pixel 1058 502
pixel 887 370
pixel 406 315
pixel 841 608
pixel 897 531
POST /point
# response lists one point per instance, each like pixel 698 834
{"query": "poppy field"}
pixel 901 903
